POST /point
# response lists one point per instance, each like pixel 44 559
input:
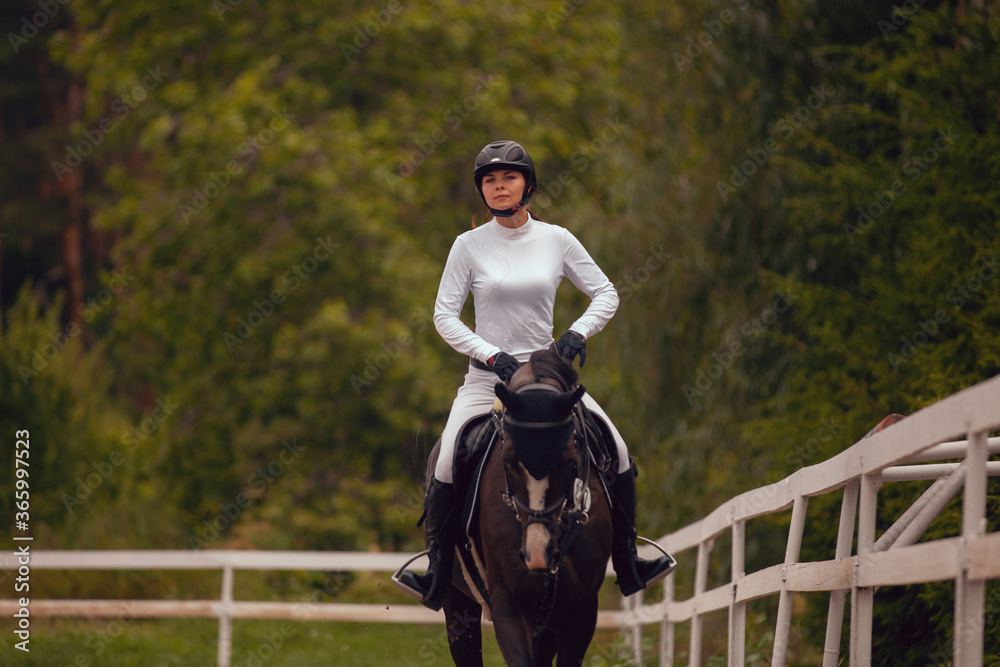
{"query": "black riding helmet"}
pixel 510 154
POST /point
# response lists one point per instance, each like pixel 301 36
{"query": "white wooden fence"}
pixel 226 608
pixel 956 427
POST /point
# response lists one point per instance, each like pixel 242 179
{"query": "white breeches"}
pixel 476 397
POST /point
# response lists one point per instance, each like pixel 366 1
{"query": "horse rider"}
pixel 513 265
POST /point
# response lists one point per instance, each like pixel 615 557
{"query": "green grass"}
pixel 192 643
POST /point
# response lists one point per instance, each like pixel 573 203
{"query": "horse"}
pixel 543 534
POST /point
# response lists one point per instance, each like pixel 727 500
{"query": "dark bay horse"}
pixel 543 535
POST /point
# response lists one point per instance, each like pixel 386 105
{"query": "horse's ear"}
pixel 567 400
pixel 506 396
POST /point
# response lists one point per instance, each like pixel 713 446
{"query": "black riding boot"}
pixel 441 519
pixel 634 573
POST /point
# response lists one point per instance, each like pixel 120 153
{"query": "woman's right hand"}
pixel 504 365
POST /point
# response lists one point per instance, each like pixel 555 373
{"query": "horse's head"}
pixel 541 458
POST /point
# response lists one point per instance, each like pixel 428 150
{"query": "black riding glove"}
pixel 503 365
pixel 571 344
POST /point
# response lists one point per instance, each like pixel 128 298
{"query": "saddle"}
pixel 476 442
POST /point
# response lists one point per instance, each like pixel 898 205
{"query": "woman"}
pixel 513 265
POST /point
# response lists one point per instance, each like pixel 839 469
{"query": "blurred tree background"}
pixel 222 225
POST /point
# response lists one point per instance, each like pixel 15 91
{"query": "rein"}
pixel 576 516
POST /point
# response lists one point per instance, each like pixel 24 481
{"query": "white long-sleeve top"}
pixel 513 275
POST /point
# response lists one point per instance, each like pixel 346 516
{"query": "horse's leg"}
pixel 465 630
pixel 513 637
pixel 573 645
pixel 545 648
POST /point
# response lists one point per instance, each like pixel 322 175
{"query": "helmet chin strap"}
pixel 504 212
pixel 509 212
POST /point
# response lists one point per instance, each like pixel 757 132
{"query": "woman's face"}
pixel 503 188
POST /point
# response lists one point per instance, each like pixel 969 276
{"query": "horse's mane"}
pixel 549 364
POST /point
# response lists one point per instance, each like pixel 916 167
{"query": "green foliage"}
pixel 56 393
pixel 279 230
pixel 616 654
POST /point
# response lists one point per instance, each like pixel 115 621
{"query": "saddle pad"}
pixel 475 442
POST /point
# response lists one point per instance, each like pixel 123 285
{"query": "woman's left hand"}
pixel 570 345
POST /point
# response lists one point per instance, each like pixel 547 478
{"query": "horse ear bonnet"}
pixel 539 449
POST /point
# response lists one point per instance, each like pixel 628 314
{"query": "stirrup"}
pixel 662 575
pixel 402 586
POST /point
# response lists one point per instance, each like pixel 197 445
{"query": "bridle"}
pixel 573 511
pixel 575 508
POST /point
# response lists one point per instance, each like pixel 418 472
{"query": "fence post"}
pixel 631 629
pixel 970 596
pixel 863 599
pixel 738 610
pixel 635 629
pixel 786 598
pixel 667 625
pixel 845 539
pixel 226 618
pixel 700 582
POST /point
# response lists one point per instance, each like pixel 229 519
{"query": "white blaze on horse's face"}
pixel 537 536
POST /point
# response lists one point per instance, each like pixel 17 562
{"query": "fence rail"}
pixel 956 427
